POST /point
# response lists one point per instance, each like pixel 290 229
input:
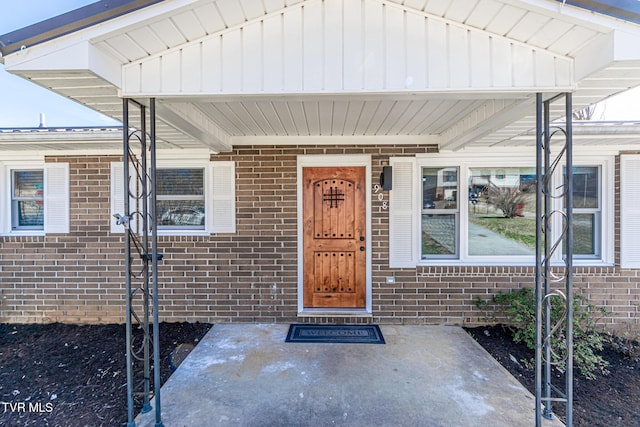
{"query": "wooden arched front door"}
pixel 334 222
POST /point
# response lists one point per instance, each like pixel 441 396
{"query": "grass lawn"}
pixel 519 229
pixel 523 230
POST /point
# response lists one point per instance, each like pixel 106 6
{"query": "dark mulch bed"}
pixel 71 375
pixel 607 401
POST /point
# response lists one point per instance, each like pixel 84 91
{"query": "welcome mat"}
pixel 345 334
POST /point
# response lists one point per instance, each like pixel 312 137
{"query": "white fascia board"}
pixel 66 57
pixel 572 14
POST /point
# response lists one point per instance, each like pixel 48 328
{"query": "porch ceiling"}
pixel 347 115
pixel 261 99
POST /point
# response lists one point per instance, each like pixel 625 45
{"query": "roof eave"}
pixel 69 22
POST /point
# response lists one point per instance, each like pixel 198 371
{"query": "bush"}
pixel 508 199
pixel 518 308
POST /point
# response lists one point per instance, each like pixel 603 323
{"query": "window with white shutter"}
pixel 453 208
pixel 34 197
pixel 194 197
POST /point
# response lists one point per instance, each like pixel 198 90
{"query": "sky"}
pixel 22 102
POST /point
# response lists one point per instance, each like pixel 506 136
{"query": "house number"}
pixel 376 189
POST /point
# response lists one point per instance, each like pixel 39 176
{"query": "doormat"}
pixel 343 334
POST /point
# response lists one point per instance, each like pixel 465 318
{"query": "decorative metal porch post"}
pixel 554 259
pixel 141 273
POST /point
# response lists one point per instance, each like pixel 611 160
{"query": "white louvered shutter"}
pixel 223 197
pixel 117 196
pixel 56 198
pixel 402 213
pixel 630 211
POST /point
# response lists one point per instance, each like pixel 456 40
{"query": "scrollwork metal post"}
pixel 554 259
pixel 139 221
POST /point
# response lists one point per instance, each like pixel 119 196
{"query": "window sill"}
pixel 30 233
pixel 457 263
pixel 183 233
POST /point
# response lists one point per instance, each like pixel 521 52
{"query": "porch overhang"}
pixel 453 74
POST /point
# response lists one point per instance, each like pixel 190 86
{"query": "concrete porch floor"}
pixel 246 375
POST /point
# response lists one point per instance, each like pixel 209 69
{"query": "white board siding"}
pixel 347 45
pixel 629 211
pixel 403 233
pixel 293 51
pixel 271 50
pixel 190 66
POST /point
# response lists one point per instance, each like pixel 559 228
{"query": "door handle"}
pixel 362 238
pixel 362 248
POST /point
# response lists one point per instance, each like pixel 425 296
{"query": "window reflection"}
pixel 180 198
pixel 27 199
pixel 502 211
pixel 440 212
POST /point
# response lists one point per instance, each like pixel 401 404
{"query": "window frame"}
pixel 207 197
pixel 14 201
pixel 493 161
pixel 500 170
pixel 6 199
pixel 455 212
pixel 219 194
pixel 606 190
pixel 186 197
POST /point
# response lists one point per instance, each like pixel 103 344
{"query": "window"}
pixel 586 211
pixel 440 212
pixel 481 209
pixel 180 199
pixel 192 196
pixel 34 197
pixel 501 212
pixel 27 200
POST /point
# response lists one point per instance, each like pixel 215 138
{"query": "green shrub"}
pixel 518 309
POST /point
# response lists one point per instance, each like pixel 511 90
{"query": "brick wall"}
pixel 250 275
pixel 75 277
